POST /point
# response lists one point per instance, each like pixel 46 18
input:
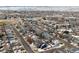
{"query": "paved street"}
pixel 25 44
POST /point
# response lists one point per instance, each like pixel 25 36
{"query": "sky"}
pixel 39 2
pixel 49 3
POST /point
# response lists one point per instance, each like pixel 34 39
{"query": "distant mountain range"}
pixel 40 8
